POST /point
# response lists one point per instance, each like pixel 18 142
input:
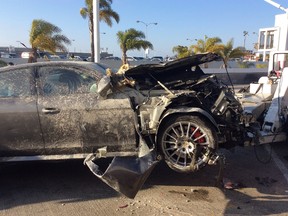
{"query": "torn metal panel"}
pixel 125 174
pixel 150 113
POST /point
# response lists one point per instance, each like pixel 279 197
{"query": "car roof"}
pixel 88 65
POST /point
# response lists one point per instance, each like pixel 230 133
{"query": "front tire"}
pixel 187 142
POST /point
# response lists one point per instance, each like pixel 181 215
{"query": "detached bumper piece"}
pixel 125 174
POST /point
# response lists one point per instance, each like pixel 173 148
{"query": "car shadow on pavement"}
pixel 62 182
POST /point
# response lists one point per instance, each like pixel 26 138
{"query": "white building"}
pixel 274 38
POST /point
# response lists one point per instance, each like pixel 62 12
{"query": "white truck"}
pixel 267 102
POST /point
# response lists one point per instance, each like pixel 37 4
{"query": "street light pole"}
pixel 146 33
pixel 74 46
pixel 245 33
pixel 96 31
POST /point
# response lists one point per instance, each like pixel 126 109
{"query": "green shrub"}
pixel 2 63
pixel 261 66
pixel 245 64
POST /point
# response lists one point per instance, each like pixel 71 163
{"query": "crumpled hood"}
pixel 181 69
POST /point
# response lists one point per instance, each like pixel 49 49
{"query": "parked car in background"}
pixel 7 55
pixel 139 58
pixel 78 58
pixel 25 55
pixel 171 59
pixel 54 57
pixel 131 58
pixel 112 58
pixel 157 58
pixel 89 58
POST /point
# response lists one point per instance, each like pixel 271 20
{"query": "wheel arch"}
pixel 186 111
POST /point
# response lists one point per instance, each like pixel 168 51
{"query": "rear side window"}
pixel 64 81
pixel 16 83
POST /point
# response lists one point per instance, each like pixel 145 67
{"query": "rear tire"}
pixel 187 140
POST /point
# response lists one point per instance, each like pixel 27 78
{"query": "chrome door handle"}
pixel 50 110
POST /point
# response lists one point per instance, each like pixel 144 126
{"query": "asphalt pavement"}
pixel 258 187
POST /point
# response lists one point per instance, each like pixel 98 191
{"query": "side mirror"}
pixel 104 86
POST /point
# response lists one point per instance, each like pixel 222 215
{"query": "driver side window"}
pixel 64 81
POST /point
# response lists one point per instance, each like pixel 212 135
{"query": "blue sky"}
pixel 177 20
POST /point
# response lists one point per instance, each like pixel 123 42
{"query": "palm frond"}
pixel 47 37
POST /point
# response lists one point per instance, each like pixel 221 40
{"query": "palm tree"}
pixel 228 52
pixel 207 45
pixel 105 14
pixel 132 39
pixel 45 36
pixel 182 51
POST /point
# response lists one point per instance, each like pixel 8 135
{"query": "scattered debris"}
pixel 230 185
pixel 195 194
pixel 123 206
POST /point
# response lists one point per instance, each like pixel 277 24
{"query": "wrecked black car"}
pixel 137 116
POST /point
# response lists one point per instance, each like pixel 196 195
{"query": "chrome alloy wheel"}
pixel 186 143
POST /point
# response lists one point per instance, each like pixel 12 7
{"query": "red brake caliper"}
pixel 198 134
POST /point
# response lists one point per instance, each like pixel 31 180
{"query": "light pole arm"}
pixel 146 33
pixel 277 5
pixel 146 24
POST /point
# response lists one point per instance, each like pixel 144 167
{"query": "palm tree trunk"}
pixel 124 57
pixel 33 55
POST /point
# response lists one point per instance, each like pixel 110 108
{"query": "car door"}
pixel 73 118
pixel 20 129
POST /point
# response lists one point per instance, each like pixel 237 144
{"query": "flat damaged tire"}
pixel 187 142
